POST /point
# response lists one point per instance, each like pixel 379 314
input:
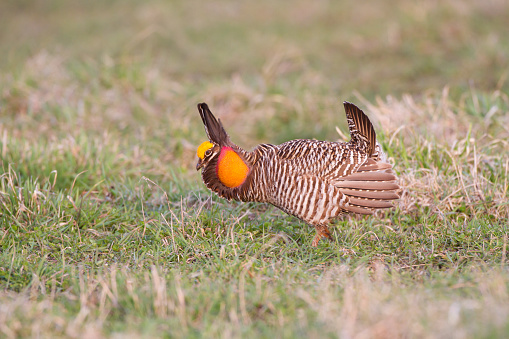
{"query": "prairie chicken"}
pixel 312 180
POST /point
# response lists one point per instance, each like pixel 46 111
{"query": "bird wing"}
pixel 327 160
pixel 367 183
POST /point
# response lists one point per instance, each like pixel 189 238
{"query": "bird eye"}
pixel 208 152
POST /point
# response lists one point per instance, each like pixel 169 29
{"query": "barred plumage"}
pixel 312 180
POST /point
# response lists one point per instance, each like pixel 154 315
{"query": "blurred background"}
pixel 106 227
pixel 133 71
pixel 382 47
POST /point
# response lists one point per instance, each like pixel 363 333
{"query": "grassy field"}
pixel 107 231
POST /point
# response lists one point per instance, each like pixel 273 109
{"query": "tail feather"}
pixel 361 130
pixel 367 185
pixel 369 176
pixel 372 165
pixel 358 210
pixel 372 188
pixel 385 195
pixel 370 203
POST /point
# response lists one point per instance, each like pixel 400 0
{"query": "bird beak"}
pixel 199 164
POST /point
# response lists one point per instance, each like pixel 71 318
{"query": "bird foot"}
pixel 321 232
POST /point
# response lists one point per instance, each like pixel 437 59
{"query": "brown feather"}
pixel 359 210
pixel 361 130
pixel 213 127
pixel 367 185
pixel 385 195
pixel 372 165
pixel 369 176
pixel 370 203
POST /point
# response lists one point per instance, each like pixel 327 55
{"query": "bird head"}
pixel 220 159
pixel 206 151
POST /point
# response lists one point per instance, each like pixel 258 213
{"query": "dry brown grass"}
pixel 105 229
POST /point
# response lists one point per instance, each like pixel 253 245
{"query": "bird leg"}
pixel 322 231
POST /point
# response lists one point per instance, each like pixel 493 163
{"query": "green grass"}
pixel 106 229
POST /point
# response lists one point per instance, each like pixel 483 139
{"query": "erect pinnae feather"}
pixel 213 127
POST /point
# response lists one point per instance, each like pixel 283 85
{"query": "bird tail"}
pixel 361 130
pixel 373 186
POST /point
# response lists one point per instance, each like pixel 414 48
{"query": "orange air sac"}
pixel 231 170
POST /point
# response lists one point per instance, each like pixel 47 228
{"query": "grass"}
pixel 106 229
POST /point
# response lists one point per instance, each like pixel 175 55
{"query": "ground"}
pixel 107 230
